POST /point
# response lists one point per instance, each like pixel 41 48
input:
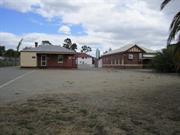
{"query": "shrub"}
pixel 164 61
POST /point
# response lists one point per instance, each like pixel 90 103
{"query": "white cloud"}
pixel 10 40
pixel 65 30
pixel 107 23
pixel 20 5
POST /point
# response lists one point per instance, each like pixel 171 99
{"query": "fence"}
pixel 9 61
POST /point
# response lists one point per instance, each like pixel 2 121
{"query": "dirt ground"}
pixel 93 102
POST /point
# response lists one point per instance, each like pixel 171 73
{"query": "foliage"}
pixel 169 59
pixel 2 50
pixel 176 54
pixel 164 3
pixel 73 46
pixel 11 53
pixel 69 45
pixel 166 61
pixel 163 61
pixel 86 49
pixel 46 42
pixel 175 25
pixel 105 52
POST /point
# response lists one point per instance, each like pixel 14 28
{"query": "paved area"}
pixel 9 73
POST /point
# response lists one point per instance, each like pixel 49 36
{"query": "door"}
pixel 43 60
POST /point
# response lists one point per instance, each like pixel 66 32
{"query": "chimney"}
pixel 36 44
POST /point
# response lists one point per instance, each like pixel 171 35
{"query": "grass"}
pixel 73 115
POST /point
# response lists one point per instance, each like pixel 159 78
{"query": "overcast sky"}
pixel 100 24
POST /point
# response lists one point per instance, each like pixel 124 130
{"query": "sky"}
pixel 99 24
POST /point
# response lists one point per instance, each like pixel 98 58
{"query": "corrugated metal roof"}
pixel 84 55
pixel 128 46
pixel 48 49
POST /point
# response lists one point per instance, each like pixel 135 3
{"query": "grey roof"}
pixel 128 46
pixel 49 49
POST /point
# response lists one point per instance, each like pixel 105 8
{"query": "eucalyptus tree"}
pixel 69 45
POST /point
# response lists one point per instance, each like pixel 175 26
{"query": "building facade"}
pixel 48 56
pixel 84 58
pixel 129 56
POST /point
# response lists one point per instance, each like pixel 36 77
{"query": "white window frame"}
pixel 130 56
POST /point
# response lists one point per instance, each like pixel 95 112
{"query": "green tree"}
pixel 46 42
pixel 2 50
pixel 163 61
pixel 174 30
pixel 175 24
pixel 73 46
pixel 11 53
pixel 69 45
pixel 86 49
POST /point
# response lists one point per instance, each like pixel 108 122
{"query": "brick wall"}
pixel 69 61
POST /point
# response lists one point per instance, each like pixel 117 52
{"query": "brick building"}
pixel 129 56
pixel 48 56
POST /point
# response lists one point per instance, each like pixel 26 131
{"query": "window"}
pixel 60 58
pixel 111 61
pixel 130 56
pixel 116 61
pixel 140 55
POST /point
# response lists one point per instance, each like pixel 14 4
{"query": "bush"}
pixel 164 61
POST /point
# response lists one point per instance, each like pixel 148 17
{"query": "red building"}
pixel 48 56
pixel 129 56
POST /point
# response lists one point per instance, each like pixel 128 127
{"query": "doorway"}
pixel 43 60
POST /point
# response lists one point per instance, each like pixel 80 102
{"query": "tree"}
pixel 46 42
pixel 174 30
pixel 2 50
pixel 163 61
pixel 175 24
pixel 11 53
pixel 86 49
pixel 73 46
pixel 105 52
pixel 69 45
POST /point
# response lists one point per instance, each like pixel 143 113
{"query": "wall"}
pixel 122 60
pixel 87 60
pixel 68 62
pixel 28 59
pixel 99 63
